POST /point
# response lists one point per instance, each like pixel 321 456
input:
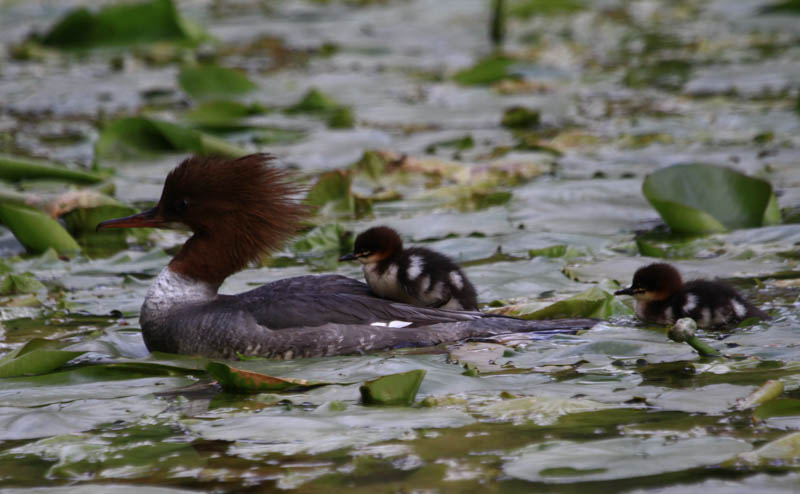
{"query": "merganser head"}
pixel 374 245
pixel 657 281
pixel 237 209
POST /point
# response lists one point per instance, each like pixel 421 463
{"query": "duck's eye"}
pixel 181 205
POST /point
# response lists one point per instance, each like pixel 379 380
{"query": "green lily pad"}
pixel 121 24
pixel 519 117
pixel 697 198
pixel 244 381
pixel 38 356
pixel 221 114
pixel 394 389
pixel 205 81
pixel 16 168
pixel 36 230
pixel 19 283
pixel 779 407
pixel 314 102
pixel 594 302
pixel 324 244
pixel 333 194
pixel 530 8
pixel 137 137
pixel 82 224
pixel 487 71
pixel 784 449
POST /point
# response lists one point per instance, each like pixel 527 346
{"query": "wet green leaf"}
pixel 18 283
pixel 36 230
pixel 696 198
pixel 82 224
pixel 394 389
pixel 594 302
pixel 207 81
pixel 341 118
pixel 542 410
pixel 529 8
pixel 121 24
pixel 16 168
pixel 38 356
pixel 137 137
pixel 314 102
pixel 221 114
pixel 244 381
pixel 487 71
pixel 784 449
pixel 333 193
pixel 519 117
pixel 551 251
pixel 324 244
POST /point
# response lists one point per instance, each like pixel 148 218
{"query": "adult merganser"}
pixel 238 209
pixel 416 276
pixel 662 298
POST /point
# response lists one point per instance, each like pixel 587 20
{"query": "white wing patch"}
pixel 691 303
pixel 738 308
pixel 424 283
pixel 415 267
pixel 392 324
pixel 456 280
pixel 705 317
pixel 669 315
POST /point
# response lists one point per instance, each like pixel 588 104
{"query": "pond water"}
pixel 623 88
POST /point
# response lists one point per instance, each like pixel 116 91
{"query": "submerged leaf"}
pixel 221 114
pixel 141 136
pixel 36 230
pixel 314 102
pixel 15 168
pixel 244 381
pixel 519 117
pixel 394 389
pixel 205 81
pixel 120 24
pixel 696 198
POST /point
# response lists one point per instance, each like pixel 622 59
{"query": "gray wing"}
pixel 223 330
pixel 318 300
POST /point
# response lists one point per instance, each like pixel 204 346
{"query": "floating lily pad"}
pixel 529 8
pixel 206 81
pixel 315 102
pixel 16 168
pixel 244 381
pixel 697 198
pixel 487 71
pixel 36 230
pixel 82 224
pixel 222 114
pixel 121 24
pixel 38 356
pixel 594 302
pixel 333 193
pixel 519 117
pixel 394 389
pixel 787 6
pixel 141 136
pixel 18 283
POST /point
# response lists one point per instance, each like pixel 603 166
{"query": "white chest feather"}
pixel 171 289
pixel 384 284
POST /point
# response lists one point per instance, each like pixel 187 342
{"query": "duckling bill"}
pixel 662 297
pixel 416 276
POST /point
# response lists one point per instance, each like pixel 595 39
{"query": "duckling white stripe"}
pixel 415 267
pixel 456 279
pixel 691 302
pixel 738 308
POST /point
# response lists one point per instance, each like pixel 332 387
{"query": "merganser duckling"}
pixel 237 210
pixel 662 298
pixel 416 276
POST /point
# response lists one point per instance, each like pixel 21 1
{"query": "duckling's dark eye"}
pixel 181 205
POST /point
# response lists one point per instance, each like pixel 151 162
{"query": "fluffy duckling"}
pixel 416 275
pixel 662 298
